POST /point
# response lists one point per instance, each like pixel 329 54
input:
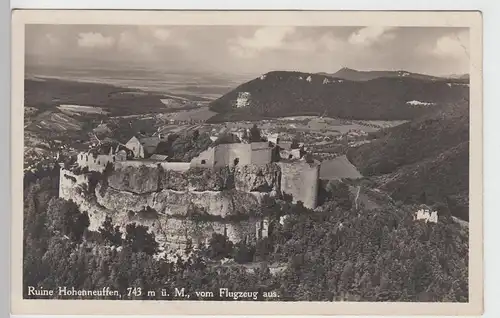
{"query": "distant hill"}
pixel 460 76
pixel 355 75
pixel 429 154
pixel 48 93
pixel 282 93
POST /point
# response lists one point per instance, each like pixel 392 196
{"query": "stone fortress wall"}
pixel 211 183
pixel 229 154
pixel 96 162
pixel 300 180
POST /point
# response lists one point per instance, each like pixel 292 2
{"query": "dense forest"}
pixel 427 158
pixel 282 94
pixel 337 253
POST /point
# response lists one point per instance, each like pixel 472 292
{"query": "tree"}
pixel 189 246
pixel 302 151
pixel 263 248
pixel 423 197
pixel 242 253
pixel 255 134
pixel 196 134
pixel 138 239
pixel 80 225
pixel 245 136
pixel 64 217
pixel 184 147
pixel 275 154
pixel 227 138
pixel 338 192
pixel 219 246
pixel 309 158
pixel 442 209
pixel 111 235
pixel 163 148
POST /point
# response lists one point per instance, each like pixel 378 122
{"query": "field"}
pixel 171 84
pixel 81 113
pixel 75 109
pixel 197 114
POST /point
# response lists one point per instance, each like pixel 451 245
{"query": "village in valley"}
pixel 309 149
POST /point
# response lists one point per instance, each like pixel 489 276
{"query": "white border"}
pixel 258 4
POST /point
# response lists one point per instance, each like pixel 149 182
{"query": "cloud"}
pixel 370 35
pixel 265 38
pixel 149 41
pixel 165 37
pixel 127 40
pixel 331 43
pixel 95 40
pixel 52 39
pixel 455 45
pixel 133 43
pixel 161 34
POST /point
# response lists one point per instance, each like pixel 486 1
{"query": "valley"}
pixel 56 128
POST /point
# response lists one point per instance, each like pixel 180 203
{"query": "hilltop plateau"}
pixel 355 75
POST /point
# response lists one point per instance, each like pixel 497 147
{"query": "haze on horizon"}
pixel 249 49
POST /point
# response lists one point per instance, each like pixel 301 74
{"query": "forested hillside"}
pixel 423 160
pixel 339 253
pixel 281 94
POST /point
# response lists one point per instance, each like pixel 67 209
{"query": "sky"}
pixel 251 49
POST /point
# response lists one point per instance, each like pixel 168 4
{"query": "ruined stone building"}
pixel 234 154
pixel 426 215
pixel 135 145
pixel 144 147
pixel 300 180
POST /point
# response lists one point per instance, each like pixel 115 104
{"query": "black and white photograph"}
pixel 247 162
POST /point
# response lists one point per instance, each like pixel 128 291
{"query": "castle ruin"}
pixel 170 188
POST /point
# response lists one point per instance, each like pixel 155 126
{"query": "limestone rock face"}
pixel 141 179
pixel 190 202
pixel 173 180
pixel 150 178
pixel 181 203
pixel 176 231
pixel 260 178
pixel 217 179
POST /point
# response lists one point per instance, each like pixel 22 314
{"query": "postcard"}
pixel 246 162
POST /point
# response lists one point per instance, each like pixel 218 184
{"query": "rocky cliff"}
pixel 182 203
pixel 172 228
pixel 154 178
pixel 193 203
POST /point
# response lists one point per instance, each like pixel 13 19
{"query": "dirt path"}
pixel 361 197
